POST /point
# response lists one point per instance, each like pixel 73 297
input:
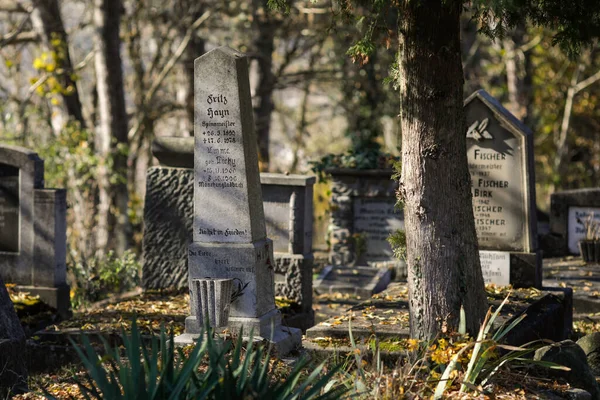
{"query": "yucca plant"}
pixel 214 369
pixel 484 361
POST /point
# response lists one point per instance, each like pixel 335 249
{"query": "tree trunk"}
pixel 194 50
pixel 13 372
pixel 264 45
pixel 444 272
pixel 112 127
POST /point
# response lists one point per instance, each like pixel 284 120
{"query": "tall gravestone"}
pixel 500 155
pixel 32 228
pixel 229 235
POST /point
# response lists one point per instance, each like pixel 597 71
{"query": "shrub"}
pixel 213 369
pixel 94 279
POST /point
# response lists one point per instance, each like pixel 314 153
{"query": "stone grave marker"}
pixel 363 209
pixel 377 217
pixel 229 235
pixel 168 216
pixel 363 214
pixel 288 206
pixel 500 155
pixel 567 211
pixel 32 229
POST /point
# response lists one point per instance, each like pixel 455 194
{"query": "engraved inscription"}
pixel 497 183
pixel 377 218
pixel 9 209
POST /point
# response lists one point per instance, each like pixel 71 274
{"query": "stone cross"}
pixel 229 235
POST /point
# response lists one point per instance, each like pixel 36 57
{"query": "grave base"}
pixel 526 270
pixel 56 297
pixel 358 281
pixel 268 327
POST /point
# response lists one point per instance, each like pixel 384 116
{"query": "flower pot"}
pixel 590 250
pixel 212 299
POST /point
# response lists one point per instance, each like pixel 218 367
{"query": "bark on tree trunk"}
pixel 13 372
pixel 112 127
pixel 264 46
pixel 194 50
pixel 444 272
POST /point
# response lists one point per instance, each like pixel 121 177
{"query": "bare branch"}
pixel 83 63
pixel 18 37
pixel 587 82
pixel 166 69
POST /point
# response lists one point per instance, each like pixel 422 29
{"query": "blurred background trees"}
pixel 90 83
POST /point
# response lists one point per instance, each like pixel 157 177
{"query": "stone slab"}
pixel 168 216
pixel 495 267
pixel 283 341
pixel 385 316
pixel 268 178
pixel 9 209
pixel 357 199
pixel 360 281
pixel 582 279
pixel 525 270
pixel 58 297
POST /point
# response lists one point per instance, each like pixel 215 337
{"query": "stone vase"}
pixel 212 299
pixel 590 250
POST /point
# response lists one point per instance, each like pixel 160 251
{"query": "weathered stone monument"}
pixel 500 154
pixel 568 210
pixel 32 229
pixel 168 216
pixel 363 215
pixel 229 235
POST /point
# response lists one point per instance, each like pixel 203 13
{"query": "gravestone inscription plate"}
pixel 377 217
pixel 495 267
pixel 576 229
pixel 9 209
pixel 566 207
pixel 500 156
